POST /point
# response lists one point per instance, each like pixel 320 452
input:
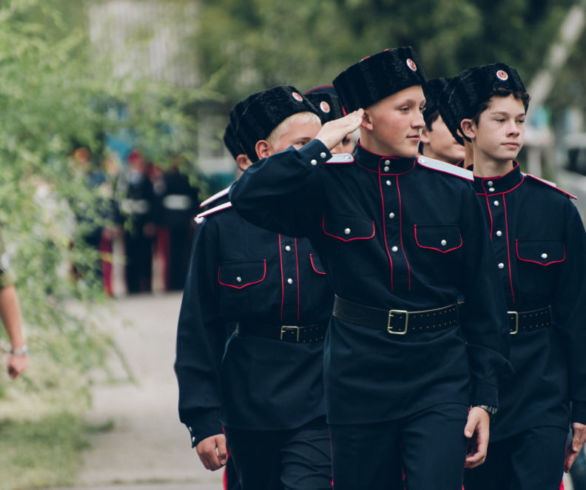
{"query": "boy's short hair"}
pixel 378 76
pixel 470 92
pixel 264 111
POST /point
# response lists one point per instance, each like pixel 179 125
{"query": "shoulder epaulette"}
pixel 340 158
pixel 551 185
pixel 215 197
pixel 444 167
pixel 199 218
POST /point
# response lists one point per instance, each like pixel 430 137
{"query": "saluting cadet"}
pixel 401 242
pixel 264 383
pixel 540 248
pixel 437 141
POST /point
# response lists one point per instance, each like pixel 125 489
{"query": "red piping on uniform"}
pixel 282 278
pixel 503 192
pixel 401 235
pixel 536 261
pixel 508 249
pixel 297 268
pixel 382 201
pixel 248 283
pixel 434 248
pixel 314 267
pixel 323 226
pixel 489 214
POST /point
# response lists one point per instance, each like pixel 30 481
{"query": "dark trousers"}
pixel 296 459
pixel 139 259
pixel 531 460
pixel 429 446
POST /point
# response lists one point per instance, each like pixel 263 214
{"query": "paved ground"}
pixel 147 448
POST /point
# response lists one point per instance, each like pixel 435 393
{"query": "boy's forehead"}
pixel 413 93
pixel 508 103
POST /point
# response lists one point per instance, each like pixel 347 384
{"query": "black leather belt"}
pixel 396 322
pixel 299 334
pixel 528 321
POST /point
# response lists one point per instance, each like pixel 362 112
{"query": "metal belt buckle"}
pixel 516 329
pixel 390 327
pixel 290 328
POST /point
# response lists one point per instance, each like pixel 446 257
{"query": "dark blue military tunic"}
pixel 540 249
pixel 392 233
pixel 242 274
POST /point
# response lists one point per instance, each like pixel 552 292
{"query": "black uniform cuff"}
pixel 315 152
pixel 579 412
pixel 484 394
pixel 202 424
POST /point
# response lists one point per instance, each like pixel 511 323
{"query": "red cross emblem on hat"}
pixel 297 96
pixel 324 106
pixel 411 64
pixel 502 75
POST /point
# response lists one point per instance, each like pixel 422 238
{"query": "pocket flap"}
pixel 541 252
pixel 441 238
pixel 239 275
pixel 316 264
pixel 348 228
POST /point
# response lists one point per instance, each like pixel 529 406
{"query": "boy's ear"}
pixel 243 161
pixel 468 128
pixel 263 149
pixel 367 121
pixel 425 136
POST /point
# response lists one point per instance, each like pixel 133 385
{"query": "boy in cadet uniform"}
pixel 11 317
pixel 409 376
pixel 437 141
pixel 264 383
pixel 540 248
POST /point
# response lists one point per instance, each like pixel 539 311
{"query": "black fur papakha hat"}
pixel 265 111
pixel 378 76
pixel 326 101
pixel 474 86
pixel 437 92
pixel 230 134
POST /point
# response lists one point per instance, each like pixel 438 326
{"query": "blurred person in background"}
pixel 178 203
pixel 138 207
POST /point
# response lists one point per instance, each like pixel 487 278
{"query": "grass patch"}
pixel 41 453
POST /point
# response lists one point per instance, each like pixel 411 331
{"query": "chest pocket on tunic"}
pixel 541 253
pixel 438 238
pixel 538 265
pixel 243 287
pixel 348 228
pixel 240 275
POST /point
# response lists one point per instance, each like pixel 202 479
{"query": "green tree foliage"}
pixel 56 96
pixel 248 46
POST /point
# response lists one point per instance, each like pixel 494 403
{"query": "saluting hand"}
pixel 332 132
pixel 212 451
pixel 477 431
pixel 573 449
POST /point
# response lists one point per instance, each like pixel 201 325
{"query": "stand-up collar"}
pixel 498 185
pixel 382 164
